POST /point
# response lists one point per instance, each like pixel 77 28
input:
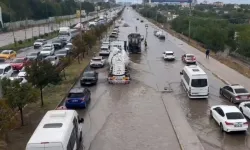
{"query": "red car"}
pixel 18 63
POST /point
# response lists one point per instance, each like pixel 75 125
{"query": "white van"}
pixel 195 82
pixel 58 130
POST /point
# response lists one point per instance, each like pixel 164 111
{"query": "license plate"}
pixel 244 97
pixel 74 101
pixel 87 82
pixel 238 125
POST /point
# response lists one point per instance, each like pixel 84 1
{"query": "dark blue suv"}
pixel 78 98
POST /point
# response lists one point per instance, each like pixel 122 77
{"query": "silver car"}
pixel 235 93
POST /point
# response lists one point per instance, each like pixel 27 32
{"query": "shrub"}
pixel 20 42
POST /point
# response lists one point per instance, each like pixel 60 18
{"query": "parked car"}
pixel 78 98
pixel 8 54
pixel 62 53
pixel 89 77
pixel 18 63
pixel 22 73
pixel 229 118
pixel 33 54
pixel 97 62
pixel 168 55
pixel 189 58
pixel 21 80
pixel 235 93
pixel 53 59
pixel 58 43
pixel 39 43
pixel 5 71
pixel 48 49
pixel 245 108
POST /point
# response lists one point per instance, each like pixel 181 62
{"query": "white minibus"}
pixel 195 81
pixel 58 130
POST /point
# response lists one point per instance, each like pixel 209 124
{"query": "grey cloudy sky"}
pixel 225 1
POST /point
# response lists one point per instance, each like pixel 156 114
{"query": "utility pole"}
pixel 13 34
pixel 81 19
pixel 189 23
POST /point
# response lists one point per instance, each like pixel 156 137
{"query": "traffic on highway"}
pixel 120 100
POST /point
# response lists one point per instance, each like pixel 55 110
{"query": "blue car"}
pixel 78 98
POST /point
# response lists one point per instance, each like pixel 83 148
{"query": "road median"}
pixel 186 136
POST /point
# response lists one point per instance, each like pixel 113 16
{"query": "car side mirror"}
pixel 81 120
pixel 181 73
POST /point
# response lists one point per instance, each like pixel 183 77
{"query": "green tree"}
pixel 18 95
pixel 90 39
pixel 42 73
pixel 79 47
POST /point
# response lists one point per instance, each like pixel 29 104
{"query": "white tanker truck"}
pixel 118 61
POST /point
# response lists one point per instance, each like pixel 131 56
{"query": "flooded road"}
pixel 129 117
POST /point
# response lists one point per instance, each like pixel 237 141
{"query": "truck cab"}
pixel 134 43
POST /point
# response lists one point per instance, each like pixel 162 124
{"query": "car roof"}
pixel 97 57
pixel 2 66
pixel 48 44
pixel 90 71
pixel 228 108
pixel 169 52
pixel 69 44
pixel 189 54
pixel 77 90
pixel 104 46
pixel 40 39
pixel 53 56
pixel 7 50
pixel 236 86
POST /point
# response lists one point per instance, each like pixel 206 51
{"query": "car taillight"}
pixel 228 123
pixel 248 96
pixel 237 97
pixel 245 123
pixel 194 58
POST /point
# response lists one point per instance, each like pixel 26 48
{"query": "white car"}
pixel 229 118
pixel 22 80
pixel 47 50
pixel 189 59
pixel 53 59
pixel 22 73
pixel 39 43
pixel 5 71
pixel 97 62
pixel 105 51
pixel 245 108
pixel 168 55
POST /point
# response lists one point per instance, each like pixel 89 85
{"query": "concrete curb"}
pixel 187 138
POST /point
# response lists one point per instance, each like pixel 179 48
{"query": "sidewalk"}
pixel 225 73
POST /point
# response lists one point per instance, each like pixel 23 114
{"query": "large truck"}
pixel 67 34
pixel 134 43
pixel 118 63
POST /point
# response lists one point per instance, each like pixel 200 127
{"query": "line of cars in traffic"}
pixel 11 64
pixel 195 82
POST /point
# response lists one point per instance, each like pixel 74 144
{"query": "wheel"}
pixel 231 100
pixel 221 127
pixel 80 139
pixel 211 115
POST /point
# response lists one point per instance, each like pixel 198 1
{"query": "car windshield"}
pixel 88 74
pixel 76 95
pixel 240 91
pixel 68 46
pixel 57 41
pixel 199 83
pixel 247 105
pixel 33 54
pixel 234 115
pixel 50 58
pixel 18 60
pixel 47 49
pixel 190 56
pixel 96 59
pixel 31 58
pixel 61 52
pixel 169 53
pixel 5 52
pixel 1 71
pixel 104 49
pixel 39 40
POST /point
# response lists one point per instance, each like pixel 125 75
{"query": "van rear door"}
pixel 199 86
pixel 45 146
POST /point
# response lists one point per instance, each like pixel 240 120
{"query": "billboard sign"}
pixel 173 1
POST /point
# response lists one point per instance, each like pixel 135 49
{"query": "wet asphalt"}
pixel 128 117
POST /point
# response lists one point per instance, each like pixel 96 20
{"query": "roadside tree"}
pixel 18 95
pixel 42 73
pixel 90 40
pixel 79 47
